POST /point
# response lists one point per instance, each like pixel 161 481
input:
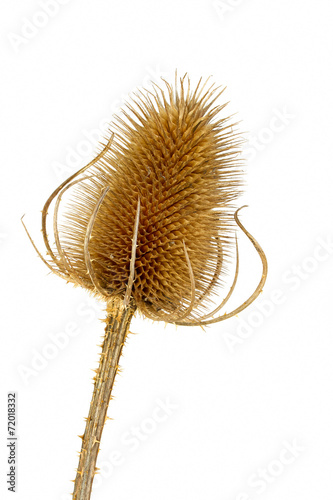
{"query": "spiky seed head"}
pixel 173 166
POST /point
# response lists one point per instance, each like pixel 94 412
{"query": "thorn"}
pixel 80 436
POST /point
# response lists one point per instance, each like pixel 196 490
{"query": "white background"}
pixel 242 391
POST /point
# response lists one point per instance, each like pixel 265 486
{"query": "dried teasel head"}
pixel 149 225
pixel 151 218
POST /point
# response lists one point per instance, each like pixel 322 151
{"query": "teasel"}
pixel 150 227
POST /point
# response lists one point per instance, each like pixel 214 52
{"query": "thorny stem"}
pixel 117 326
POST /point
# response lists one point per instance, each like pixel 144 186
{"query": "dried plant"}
pixel 149 227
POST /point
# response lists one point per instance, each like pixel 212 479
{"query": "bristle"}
pixel 173 152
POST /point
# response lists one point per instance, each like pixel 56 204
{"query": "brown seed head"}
pixel 151 217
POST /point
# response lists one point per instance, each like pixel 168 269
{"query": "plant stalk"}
pixel 117 326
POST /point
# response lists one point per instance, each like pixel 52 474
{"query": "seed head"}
pixel 150 219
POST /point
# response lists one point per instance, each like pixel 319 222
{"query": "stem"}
pixel 117 326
